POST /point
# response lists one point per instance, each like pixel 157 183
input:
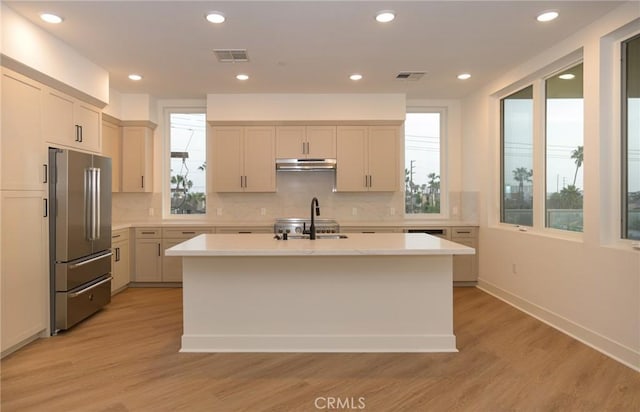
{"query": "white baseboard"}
pixel 623 354
pixel 318 343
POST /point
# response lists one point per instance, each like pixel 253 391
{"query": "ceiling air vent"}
pixel 410 75
pixel 231 55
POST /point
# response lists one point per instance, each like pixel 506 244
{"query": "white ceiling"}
pixel 309 46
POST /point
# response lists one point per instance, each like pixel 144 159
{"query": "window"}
pixel 631 138
pixel 188 163
pixel 422 153
pixel 517 157
pixel 564 150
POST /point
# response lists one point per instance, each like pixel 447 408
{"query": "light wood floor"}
pixel 126 358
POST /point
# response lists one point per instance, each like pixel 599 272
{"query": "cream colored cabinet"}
pixel 306 142
pixel 137 159
pixel 244 229
pixel 367 158
pixel 171 236
pixel 23 153
pixel 243 159
pixel 24 269
pixel 465 267
pixel 370 229
pixel 148 255
pixel 112 147
pixel 70 122
pixel 120 260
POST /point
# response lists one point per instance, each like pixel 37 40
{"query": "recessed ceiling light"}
pixel 51 18
pixel 464 76
pixel 355 77
pixel 567 76
pixel 215 17
pixel 242 77
pixel 547 16
pixel 385 16
pixel 135 77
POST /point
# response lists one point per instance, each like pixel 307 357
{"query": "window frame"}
pixel 537 80
pixel 624 141
pixel 444 184
pixel 166 156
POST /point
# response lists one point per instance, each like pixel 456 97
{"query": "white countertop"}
pixel 355 245
pixel 196 223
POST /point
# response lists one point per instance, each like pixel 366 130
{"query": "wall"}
pixel 587 286
pixel 31 46
pixel 304 107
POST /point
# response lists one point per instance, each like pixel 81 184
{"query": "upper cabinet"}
pixel 243 159
pixel 23 152
pixel 112 147
pixel 367 158
pixel 306 142
pixel 70 122
pixel 137 158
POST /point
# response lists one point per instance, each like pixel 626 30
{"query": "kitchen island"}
pixel 386 292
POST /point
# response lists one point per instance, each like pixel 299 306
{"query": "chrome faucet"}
pixel 312 227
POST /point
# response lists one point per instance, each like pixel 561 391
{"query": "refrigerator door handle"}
pixel 86 262
pixel 92 199
pixel 95 285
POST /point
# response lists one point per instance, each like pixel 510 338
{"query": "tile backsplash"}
pixel 292 199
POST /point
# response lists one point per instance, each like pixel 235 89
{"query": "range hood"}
pixel 295 165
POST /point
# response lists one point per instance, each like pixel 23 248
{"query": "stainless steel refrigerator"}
pixel 79 235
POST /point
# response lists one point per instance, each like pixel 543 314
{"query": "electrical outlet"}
pixel 263 211
pixel 219 211
pixel 354 211
pixel 151 211
pixel 392 211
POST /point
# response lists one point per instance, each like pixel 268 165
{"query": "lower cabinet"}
pixel 244 229
pixel 148 255
pixel 151 263
pixel 120 260
pixel 24 267
pixel 465 267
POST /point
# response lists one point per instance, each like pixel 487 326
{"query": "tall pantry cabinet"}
pixel 24 271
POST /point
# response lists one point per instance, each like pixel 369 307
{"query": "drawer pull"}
pixel 462 231
pixel 80 292
pixel 188 233
pixel 148 233
pixel 115 236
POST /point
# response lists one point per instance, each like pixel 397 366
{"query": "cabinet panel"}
pixel 321 142
pixel 228 168
pixel 383 158
pixel 120 263
pixel 171 265
pixel 137 159
pixel 24 272
pixel 148 260
pixel 184 233
pixel 89 119
pixel 112 147
pixel 259 159
pixel 351 144
pixel 290 141
pixel 58 124
pixel 465 267
pixel 23 153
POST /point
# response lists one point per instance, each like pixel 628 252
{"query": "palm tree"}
pixel 434 186
pixel 578 156
pixel 521 175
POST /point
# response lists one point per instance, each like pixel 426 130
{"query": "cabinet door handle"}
pixel 245 182
pixel 77 133
pixel 46 174
pixel 370 181
pixel 80 127
pixel 117 254
pixel 46 207
pixel 142 182
pixel 159 251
